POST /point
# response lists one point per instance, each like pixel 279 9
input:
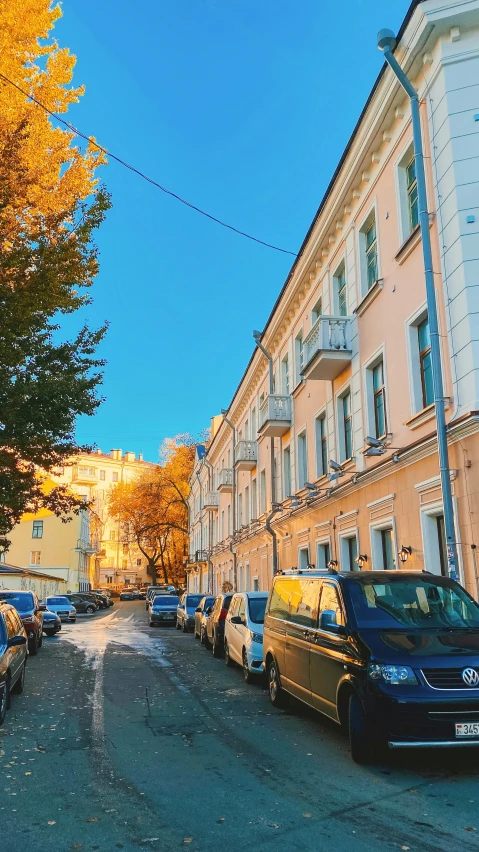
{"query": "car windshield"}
pixel 193 600
pixel 413 603
pixel 256 608
pixel 208 602
pixel 58 602
pixel 165 601
pixel 21 602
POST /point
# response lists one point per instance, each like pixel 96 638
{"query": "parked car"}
pixel 186 612
pixel 83 602
pixel 142 595
pixel 215 626
pixel 101 599
pixel 51 623
pixel 28 608
pixel 393 656
pixel 156 590
pixel 243 642
pixel 200 617
pixel 62 607
pixel 106 593
pixel 163 610
pixel 127 595
pixel 13 656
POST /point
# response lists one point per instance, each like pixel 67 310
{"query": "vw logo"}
pixel 470 677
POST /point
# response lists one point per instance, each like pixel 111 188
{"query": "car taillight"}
pixel 223 614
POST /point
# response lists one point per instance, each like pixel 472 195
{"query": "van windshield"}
pixel 257 607
pixel 22 602
pixel 418 603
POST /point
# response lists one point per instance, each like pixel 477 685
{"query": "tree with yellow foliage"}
pixel 50 205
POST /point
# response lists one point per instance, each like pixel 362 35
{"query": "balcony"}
pixel 84 475
pixel 225 479
pixel 197 556
pixel 327 348
pixel 246 455
pixel 91 545
pixel 275 416
pixel 212 501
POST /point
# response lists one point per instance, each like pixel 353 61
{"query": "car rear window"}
pixel 165 600
pixel 58 601
pixel 193 600
pixel 22 602
pixel 256 607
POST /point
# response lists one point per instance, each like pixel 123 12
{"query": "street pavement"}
pixel 130 737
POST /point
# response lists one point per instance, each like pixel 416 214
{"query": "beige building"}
pixel 89 550
pixel 288 478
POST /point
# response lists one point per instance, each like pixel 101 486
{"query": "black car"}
pixel 102 600
pixel 13 656
pixel 83 603
pixel 52 623
pixel 215 624
pixel 127 596
pixel 393 656
pixel 163 610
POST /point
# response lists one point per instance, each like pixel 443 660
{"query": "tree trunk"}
pixel 151 570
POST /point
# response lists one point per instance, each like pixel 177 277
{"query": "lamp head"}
pixel 386 40
pixel 334 465
pixel 374 442
pixel 375 451
pixel 224 412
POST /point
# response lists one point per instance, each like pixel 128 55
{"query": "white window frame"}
pixel 315 314
pixel 254 499
pixel 375 530
pixel 369 365
pixel 298 356
pixel 263 492
pixel 302 434
pixel 322 414
pixel 321 542
pixel 283 469
pixel 362 230
pixel 285 375
pixel 340 267
pixel 343 538
pixel 303 549
pixel 402 200
pixel 341 445
pixel 430 545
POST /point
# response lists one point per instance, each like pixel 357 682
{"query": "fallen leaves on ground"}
pixel 92 819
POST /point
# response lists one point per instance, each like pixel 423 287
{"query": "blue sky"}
pixel 243 107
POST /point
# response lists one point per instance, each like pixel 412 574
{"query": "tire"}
pixel 185 627
pixel 73 621
pixel 178 625
pixel 217 650
pixel 40 639
pixel 277 696
pixel 360 734
pixel 50 632
pixel 90 610
pixel 228 660
pixel 20 684
pixel 206 642
pixel 248 676
pixel 33 647
pixel 4 700
pixel 151 624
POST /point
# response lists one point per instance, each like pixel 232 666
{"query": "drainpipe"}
pixel 210 529
pixel 268 527
pixel 233 495
pixel 386 43
pixel 201 516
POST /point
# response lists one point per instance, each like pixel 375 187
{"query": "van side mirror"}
pixel 42 607
pixel 198 609
pixel 236 619
pixel 209 610
pixel 328 622
pixel 16 640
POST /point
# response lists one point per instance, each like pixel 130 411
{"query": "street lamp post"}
pixel 386 43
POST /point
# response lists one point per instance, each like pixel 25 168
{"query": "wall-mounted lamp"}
pixel 333 565
pixel 404 553
pixel 361 560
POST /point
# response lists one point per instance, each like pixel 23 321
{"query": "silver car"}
pixel 62 607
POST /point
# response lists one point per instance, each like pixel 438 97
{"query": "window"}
pixel 330 602
pixel 379 392
pixel 321 446
pixel 323 555
pixel 112 535
pixel 246 430
pixel 114 476
pixel 340 298
pixel 138 563
pixel 253 424
pixel 125 548
pixel 303 558
pixel 387 548
pixel 286 473
pixel 2 556
pixel 425 362
pixel 371 254
pixel 109 578
pixel 303 604
pixel 87 471
pixel 412 199
pixel 37 531
pixel 299 357
pixel 441 543
pixel 35 557
pixel 346 427
pixel 279 603
pixel 285 375
pixel 222 526
pixel 262 492
pixel 102 474
pixel 348 553
pixel 254 499
pixel 317 311
pixel 228 511
pixel 246 505
pixel 302 461
pixel 240 511
pixel 124 564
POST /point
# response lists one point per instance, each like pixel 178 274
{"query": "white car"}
pixel 62 607
pixel 244 632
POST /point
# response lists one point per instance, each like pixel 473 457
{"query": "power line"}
pixel 145 177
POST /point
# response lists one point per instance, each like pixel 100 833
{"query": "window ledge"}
pixel 369 297
pixel 409 245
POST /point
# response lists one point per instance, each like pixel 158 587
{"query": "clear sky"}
pixel 243 107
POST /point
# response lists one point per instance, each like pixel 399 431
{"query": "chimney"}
pixel 115 454
pixel 98 451
pixel 130 457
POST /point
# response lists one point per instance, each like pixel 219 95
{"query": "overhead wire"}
pixel 150 180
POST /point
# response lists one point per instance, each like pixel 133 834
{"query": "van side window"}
pixel 12 628
pixel 303 606
pixel 279 603
pixel 330 601
pixel 242 608
pixel 234 607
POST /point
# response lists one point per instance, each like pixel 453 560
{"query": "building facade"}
pixel 288 478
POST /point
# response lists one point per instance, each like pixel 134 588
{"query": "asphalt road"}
pixel 133 737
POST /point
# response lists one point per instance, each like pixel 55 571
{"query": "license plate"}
pixel 467 729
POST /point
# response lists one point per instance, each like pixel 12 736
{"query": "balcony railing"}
pixel 246 455
pixel 225 479
pixel 84 475
pixel 212 501
pixel 275 415
pixel 198 556
pixel 91 545
pixel 327 348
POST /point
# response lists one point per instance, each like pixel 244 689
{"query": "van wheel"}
pixel 360 737
pixel 228 660
pixel 248 676
pixel 20 684
pixel 277 695
pixel 4 699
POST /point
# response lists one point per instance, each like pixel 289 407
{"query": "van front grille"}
pixel 446 678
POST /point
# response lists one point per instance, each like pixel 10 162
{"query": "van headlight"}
pixel 257 637
pixel 392 674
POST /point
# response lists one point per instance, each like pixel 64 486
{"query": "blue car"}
pixel 52 623
pixel 185 619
